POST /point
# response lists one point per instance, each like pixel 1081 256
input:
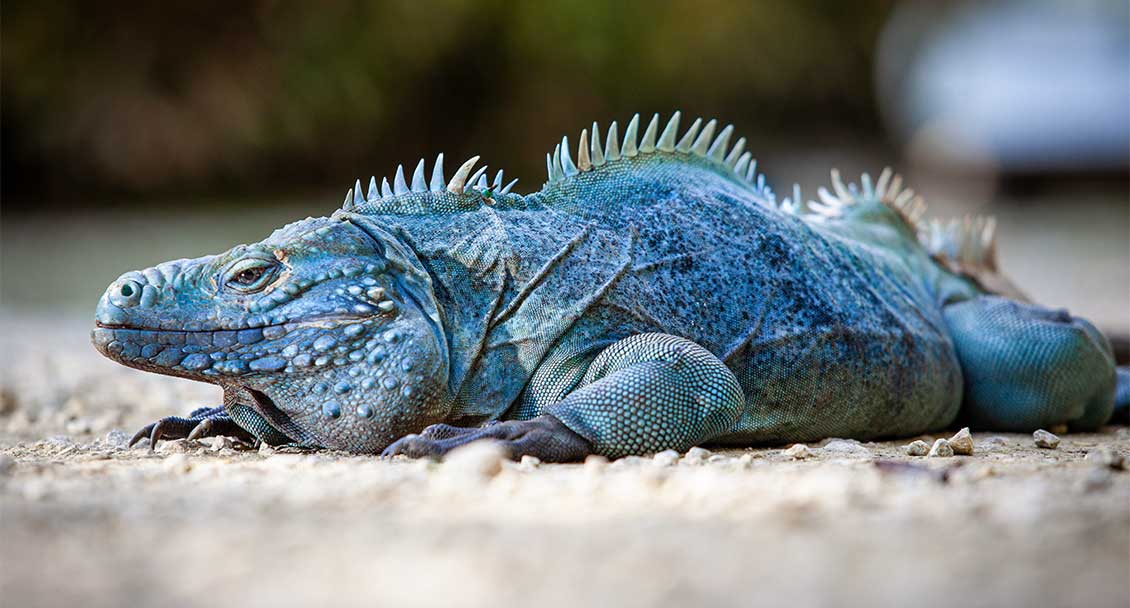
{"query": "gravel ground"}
pixel 85 521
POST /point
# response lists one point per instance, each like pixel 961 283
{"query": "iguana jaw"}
pixel 213 355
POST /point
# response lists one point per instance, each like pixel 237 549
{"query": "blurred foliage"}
pixel 130 98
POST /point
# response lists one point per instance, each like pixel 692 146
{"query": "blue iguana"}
pixel 654 294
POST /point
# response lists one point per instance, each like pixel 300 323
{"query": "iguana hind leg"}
pixel 645 393
pixel 652 392
pixel 1122 397
pixel 1027 367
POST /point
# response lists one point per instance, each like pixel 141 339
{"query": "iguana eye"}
pixel 250 274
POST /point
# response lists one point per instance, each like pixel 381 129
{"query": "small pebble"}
pixel 745 461
pixel 798 451
pixel 1045 440
pixel 696 455
pixel 846 446
pixel 994 441
pixel 941 449
pixel 718 459
pixel 595 463
pixel 530 462
pixel 60 440
pixel 916 448
pixel 175 446
pixel 117 438
pixel 219 443
pixel 962 442
pixel 666 458
pixel 7 463
pixel 1106 457
pixel 627 461
pixel 265 449
pixel 478 458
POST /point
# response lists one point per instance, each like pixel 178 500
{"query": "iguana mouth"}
pixel 289 325
pixel 212 354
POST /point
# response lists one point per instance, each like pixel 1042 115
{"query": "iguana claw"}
pixel 545 437
pixel 202 422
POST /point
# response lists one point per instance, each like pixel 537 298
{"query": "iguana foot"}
pixel 201 422
pixel 544 437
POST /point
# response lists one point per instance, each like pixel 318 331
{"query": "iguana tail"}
pixel 1025 366
pixel 1122 397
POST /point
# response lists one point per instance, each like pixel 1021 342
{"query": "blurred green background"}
pixel 138 132
pixel 179 98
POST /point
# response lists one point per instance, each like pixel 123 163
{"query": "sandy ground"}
pixel 85 521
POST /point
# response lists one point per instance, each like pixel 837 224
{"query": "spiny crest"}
pixel 463 179
pixel 698 140
pixel 967 245
pixel 887 190
pixel 793 204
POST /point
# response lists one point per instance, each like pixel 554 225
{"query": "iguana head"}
pixel 330 324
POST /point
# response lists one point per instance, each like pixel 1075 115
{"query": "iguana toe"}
pixel 544 437
pixel 446 431
pixel 204 429
pixel 202 422
pixel 171 427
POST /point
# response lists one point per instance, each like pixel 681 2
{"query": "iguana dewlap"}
pixel 653 294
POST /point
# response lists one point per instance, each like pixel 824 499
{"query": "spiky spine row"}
pixel 460 182
pixel 592 153
pixel 967 246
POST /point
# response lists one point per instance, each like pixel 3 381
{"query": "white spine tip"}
pixel 438 181
pixel 459 180
pixel 647 142
pixel 670 132
pixel 374 193
pixel 399 185
pixel 419 183
pixel 628 148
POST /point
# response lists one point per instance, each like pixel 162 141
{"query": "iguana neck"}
pixel 508 287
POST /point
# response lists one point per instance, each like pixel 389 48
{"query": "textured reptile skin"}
pixel 653 294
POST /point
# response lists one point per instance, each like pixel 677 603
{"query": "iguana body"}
pixel 652 295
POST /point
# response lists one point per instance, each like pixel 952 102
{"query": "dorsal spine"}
pixel 465 178
pixel 592 154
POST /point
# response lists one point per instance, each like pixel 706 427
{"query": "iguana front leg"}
pixel 642 394
pixel 233 419
pixel 201 422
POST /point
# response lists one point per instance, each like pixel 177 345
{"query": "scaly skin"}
pixel 652 295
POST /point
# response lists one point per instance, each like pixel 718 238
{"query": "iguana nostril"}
pixel 125 294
